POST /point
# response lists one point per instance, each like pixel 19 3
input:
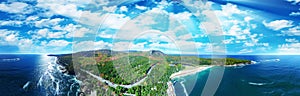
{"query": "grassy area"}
pixel 194 61
pixel 129 68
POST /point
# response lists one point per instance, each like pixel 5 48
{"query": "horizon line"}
pixel 164 53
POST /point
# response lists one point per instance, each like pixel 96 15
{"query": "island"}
pixel 139 73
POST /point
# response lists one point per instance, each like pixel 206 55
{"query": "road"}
pixel 115 85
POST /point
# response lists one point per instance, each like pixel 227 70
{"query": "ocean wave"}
pixel 259 84
pixel 25 86
pixel 270 60
pixel 9 59
pixel 57 82
pixel 184 88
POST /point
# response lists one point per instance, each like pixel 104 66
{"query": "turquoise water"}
pixel 271 76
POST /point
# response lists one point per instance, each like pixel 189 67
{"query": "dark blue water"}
pixel 34 75
pixel 269 77
pixel 16 71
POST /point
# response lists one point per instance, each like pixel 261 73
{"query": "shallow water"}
pixel 272 75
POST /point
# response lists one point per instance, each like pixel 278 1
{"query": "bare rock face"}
pixel 156 53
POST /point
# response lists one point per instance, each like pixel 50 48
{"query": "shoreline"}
pixel 189 71
pixel 182 73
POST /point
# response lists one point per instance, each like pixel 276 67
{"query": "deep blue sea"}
pixel 17 70
pixel 34 75
pixel 270 76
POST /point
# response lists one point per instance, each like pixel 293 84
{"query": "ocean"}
pixel 34 75
pixel 38 75
pixel 270 76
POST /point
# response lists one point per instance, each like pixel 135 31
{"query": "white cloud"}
pixel 234 30
pixel 292 40
pixel 140 7
pixel 181 16
pixel 211 28
pixel 73 30
pixel 295 14
pixel 185 37
pixel 278 24
pixel 16 7
pixel 56 34
pixel 229 9
pixel 123 9
pixel 115 21
pixel 11 23
pixel 5 32
pixel 228 41
pixel 293 31
pixel 121 46
pixel 90 45
pixel 243 51
pixel 294 1
pixel 46 33
pixel 58 43
pixel 11 38
pixel 110 9
pixel 292 48
pixel 43 32
pixel 249 44
pixel 216 49
pixel 79 32
pixel 247 19
pixel 69 9
pixel 32 18
pixel 105 35
pixel 263 44
pixel 47 22
pixel 138 46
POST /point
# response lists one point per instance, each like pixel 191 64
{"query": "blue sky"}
pixel 173 26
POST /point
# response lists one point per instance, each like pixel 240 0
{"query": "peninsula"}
pixel 140 73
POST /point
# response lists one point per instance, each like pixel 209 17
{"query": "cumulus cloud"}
pixel 292 40
pixel 56 34
pixel 46 22
pixel 90 45
pixel 229 9
pixel 292 48
pixel 72 30
pixel 8 36
pixel 248 18
pixel 278 24
pixel 12 38
pixel 228 41
pixel 60 8
pixel 292 31
pixel 47 33
pixel 11 23
pixel 58 43
pixel 123 9
pixel 140 7
pixel 243 51
pixel 16 7
pixel 295 14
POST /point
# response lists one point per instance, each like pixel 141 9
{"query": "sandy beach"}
pixel 189 71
